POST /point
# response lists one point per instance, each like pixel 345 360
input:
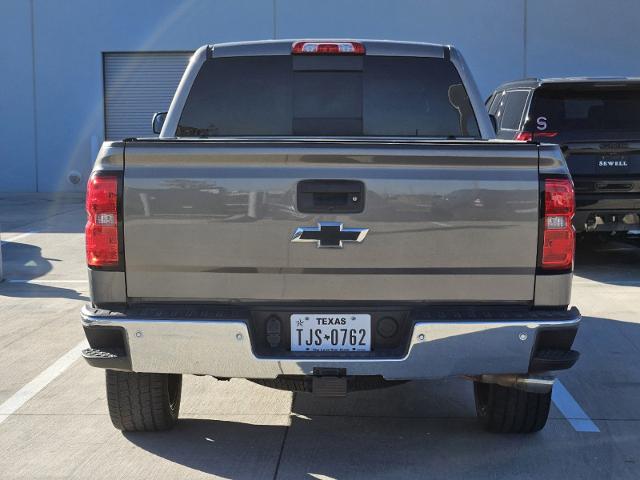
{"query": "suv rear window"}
pixel 512 113
pixel 594 112
pixel 328 95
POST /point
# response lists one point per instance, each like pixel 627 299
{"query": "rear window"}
pixel 328 95
pixel 595 112
pixel 512 113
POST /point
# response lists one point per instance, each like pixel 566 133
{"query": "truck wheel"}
pixel 509 410
pixel 143 402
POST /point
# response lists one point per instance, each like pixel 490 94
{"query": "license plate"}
pixel 330 332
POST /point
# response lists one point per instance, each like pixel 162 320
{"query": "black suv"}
pixel 597 123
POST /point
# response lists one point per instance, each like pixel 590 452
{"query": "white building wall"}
pixel 70 36
pixel 501 40
pixel 17 135
pixel 583 37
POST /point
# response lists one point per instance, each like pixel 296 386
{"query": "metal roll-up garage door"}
pixel 136 85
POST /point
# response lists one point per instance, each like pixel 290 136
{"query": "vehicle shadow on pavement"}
pixel 224 448
pixel 614 262
pixel 350 447
pixel 22 264
pixel 234 449
pixel 340 438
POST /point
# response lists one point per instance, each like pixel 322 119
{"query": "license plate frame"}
pixel 330 332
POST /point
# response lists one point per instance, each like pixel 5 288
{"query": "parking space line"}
pixel 37 280
pixel 22 235
pixel 571 410
pixel 603 281
pixel 32 388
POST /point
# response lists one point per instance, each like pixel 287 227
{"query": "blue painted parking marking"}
pixel 571 410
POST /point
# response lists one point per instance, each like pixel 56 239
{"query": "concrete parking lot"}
pixel 54 421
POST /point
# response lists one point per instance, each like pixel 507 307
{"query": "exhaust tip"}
pixel 526 383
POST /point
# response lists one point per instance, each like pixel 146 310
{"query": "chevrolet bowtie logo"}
pixel 329 235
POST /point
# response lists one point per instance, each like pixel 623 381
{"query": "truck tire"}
pixel 143 402
pixel 509 410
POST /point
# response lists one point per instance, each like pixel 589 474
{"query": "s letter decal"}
pixel 541 122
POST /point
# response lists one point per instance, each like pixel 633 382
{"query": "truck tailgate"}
pixel 214 220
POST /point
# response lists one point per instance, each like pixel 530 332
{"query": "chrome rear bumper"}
pixel 222 347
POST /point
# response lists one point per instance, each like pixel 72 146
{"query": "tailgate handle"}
pixel 330 196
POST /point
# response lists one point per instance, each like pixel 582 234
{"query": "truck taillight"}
pixel 101 231
pixel 327 48
pixel 558 236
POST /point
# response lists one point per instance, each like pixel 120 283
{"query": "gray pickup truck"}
pixel 328 216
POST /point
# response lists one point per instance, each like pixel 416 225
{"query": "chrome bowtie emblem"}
pixel 329 235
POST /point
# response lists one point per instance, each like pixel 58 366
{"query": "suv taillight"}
pixel 101 231
pixel 531 136
pixel 558 234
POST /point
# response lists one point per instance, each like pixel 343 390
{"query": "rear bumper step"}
pixel 552 359
pixel 222 347
pixel 113 359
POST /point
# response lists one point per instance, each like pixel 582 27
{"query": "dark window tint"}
pixel 593 112
pixel 238 96
pixel 283 95
pixel 513 108
pixel 497 108
pixel 327 103
pixel 408 96
pixel 495 103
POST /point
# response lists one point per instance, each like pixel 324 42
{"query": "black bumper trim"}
pixel 548 360
pixel 113 359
